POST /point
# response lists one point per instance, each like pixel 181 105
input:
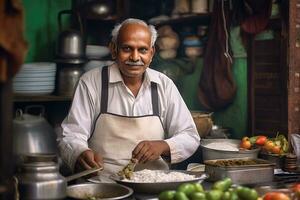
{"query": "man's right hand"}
pixel 87 160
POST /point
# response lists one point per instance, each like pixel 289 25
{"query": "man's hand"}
pixel 150 150
pixel 87 160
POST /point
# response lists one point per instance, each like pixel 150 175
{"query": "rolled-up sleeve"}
pixel 182 136
pixel 77 126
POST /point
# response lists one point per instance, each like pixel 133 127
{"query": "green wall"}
pixel 41 27
pixel 42 30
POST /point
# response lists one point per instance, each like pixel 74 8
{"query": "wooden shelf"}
pixel 40 98
pixel 203 19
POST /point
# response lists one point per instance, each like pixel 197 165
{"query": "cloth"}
pixel 217 88
pixel 115 136
pixel 13 46
pixel 180 130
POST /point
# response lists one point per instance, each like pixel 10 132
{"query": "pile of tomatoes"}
pixel 277 145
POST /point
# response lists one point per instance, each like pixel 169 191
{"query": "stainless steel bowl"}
pixel 107 191
pixel 157 187
pixel 213 154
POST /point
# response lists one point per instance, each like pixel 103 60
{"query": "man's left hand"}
pixel 150 150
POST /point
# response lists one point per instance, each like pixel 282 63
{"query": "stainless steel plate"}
pixel 155 188
pixel 104 191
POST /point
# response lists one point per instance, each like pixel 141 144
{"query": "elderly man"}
pixel 127 110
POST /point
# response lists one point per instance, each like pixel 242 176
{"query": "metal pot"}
pixel 39 178
pixel 68 77
pixel 96 9
pixel 71 44
pixel 32 133
pixel 108 191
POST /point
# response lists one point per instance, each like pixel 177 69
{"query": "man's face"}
pixel 134 52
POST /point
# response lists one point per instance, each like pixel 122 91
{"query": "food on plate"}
pixel 127 171
pixel 233 162
pixel 159 176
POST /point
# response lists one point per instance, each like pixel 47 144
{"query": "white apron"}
pixel 115 136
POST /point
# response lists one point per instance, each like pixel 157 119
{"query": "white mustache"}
pixel 137 63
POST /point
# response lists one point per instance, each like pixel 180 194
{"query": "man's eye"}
pixel 143 50
pixel 126 49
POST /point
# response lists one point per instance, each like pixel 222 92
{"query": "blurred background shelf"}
pixel 40 98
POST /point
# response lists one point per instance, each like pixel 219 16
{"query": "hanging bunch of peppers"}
pixel 277 145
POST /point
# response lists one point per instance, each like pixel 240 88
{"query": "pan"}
pixel 103 191
pixel 157 187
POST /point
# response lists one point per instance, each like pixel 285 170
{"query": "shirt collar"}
pixel 115 75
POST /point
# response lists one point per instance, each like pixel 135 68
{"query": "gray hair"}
pixel 116 30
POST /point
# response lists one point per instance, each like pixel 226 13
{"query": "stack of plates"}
pixel 35 78
pixel 96 52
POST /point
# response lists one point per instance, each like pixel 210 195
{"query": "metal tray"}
pixel 155 188
pixel 212 154
pixel 261 172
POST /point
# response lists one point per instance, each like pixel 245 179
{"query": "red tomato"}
pixel 261 140
pixel 275 196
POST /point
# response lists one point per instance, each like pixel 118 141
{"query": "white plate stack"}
pixel 36 78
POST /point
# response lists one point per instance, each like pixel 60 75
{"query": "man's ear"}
pixel 153 50
pixel 113 50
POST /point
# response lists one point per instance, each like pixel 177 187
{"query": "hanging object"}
pixel 257 15
pixel 216 87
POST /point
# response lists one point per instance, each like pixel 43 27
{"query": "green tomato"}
pixel 187 188
pixel 214 195
pixel 197 196
pixel 234 196
pixel 226 196
pixel 167 195
pixel 222 185
pixel 180 196
pixel 246 193
pixel 198 187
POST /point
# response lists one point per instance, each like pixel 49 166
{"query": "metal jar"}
pixel 32 133
pixel 39 178
pixel 68 76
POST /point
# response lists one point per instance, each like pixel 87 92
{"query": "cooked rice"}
pixel 154 176
pixel 224 146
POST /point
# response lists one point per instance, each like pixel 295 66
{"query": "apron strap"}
pixel 154 96
pixel 104 90
pixel 104 93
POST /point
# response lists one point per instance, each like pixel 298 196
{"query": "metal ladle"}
pixel 83 173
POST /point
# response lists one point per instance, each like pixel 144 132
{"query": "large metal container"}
pixel 107 191
pixel 221 153
pixel 39 178
pixel 261 172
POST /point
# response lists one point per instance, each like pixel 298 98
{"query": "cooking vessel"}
pixel 32 133
pixel 157 187
pixel 108 191
pixel 98 9
pixel 38 177
pixel 71 44
pixel 220 153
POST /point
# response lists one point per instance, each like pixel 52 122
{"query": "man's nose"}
pixel 135 56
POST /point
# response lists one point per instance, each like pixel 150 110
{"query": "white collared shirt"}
pixel 182 136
